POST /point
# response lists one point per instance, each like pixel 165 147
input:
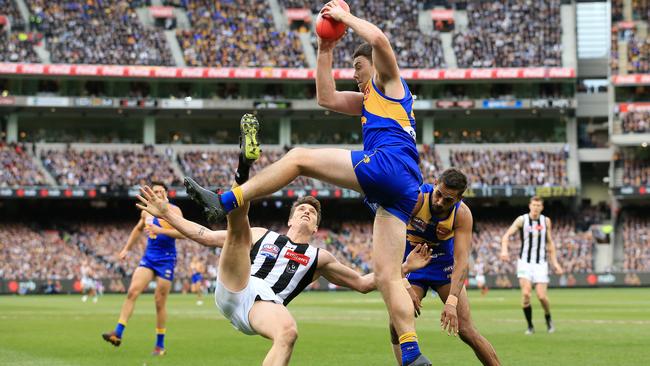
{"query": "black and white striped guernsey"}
pixel 286 266
pixel 533 240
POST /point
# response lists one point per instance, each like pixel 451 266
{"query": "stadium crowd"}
pixel 237 33
pixel 510 33
pixel 9 10
pixel 636 243
pixel 17 167
pixel 119 168
pixel 512 167
pixel 98 32
pixel 636 122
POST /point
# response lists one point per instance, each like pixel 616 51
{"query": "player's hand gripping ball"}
pixel 327 26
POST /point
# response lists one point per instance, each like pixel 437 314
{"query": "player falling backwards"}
pixel 444 223
pixel 261 271
pixel 386 171
pixel 157 263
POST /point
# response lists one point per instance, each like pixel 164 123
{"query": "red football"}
pixel 330 29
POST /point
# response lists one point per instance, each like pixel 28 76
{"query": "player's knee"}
pixel 133 294
pixel 298 156
pixel 468 334
pixel 525 297
pixel 288 335
pixel 542 298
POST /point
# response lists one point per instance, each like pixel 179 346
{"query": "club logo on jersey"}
pixel 292 267
pixel 297 257
pixel 418 224
pixel 270 251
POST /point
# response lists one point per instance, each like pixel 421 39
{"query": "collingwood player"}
pixel 532 264
pixel 261 271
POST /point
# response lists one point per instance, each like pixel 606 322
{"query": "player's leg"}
pixel 388 249
pixel 274 321
pixel 526 288
pixel 541 291
pixel 467 331
pixel 139 281
pixel 394 338
pixel 199 291
pixel 163 287
pixel 234 263
pixel 328 165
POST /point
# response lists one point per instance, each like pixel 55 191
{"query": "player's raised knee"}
pixel 288 335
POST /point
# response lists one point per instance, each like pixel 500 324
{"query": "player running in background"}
pixel 479 273
pixel 386 170
pixel 444 223
pixel 532 265
pixel 261 271
pixel 157 263
pixel 197 268
pixel 88 283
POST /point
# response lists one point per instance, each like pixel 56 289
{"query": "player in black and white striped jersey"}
pixel 261 271
pixel 532 264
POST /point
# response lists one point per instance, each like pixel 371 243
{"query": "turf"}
pixel 594 327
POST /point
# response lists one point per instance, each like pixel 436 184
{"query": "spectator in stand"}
pixel 17 167
pixel 636 122
pixel 515 168
pixel 636 242
pixel 237 33
pixel 120 168
pixel 511 33
pixel 98 32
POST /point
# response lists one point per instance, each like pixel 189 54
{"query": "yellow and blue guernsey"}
pixel 160 254
pixel 387 167
pixel 423 229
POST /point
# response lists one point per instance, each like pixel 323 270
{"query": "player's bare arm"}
pixel 462 247
pixel 134 236
pixel 552 253
pixel 341 275
pixel 505 239
pixel 346 102
pixel 155 206
pixel 383 57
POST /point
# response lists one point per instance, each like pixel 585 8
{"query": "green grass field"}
pixel 594 327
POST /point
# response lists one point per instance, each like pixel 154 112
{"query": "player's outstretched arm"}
pixel 341 275
pixel 462 247
pixel 383 57
pixel 512 230
pixel 550 244
pixel 346 102
pixel 134 236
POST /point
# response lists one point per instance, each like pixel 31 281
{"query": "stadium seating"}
pixel 121 168
pixel 512 167
pixel 237 33
pixel 98 32
pixel 636 172
pixel 636 242
pixel 17 167
pixel 510 34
